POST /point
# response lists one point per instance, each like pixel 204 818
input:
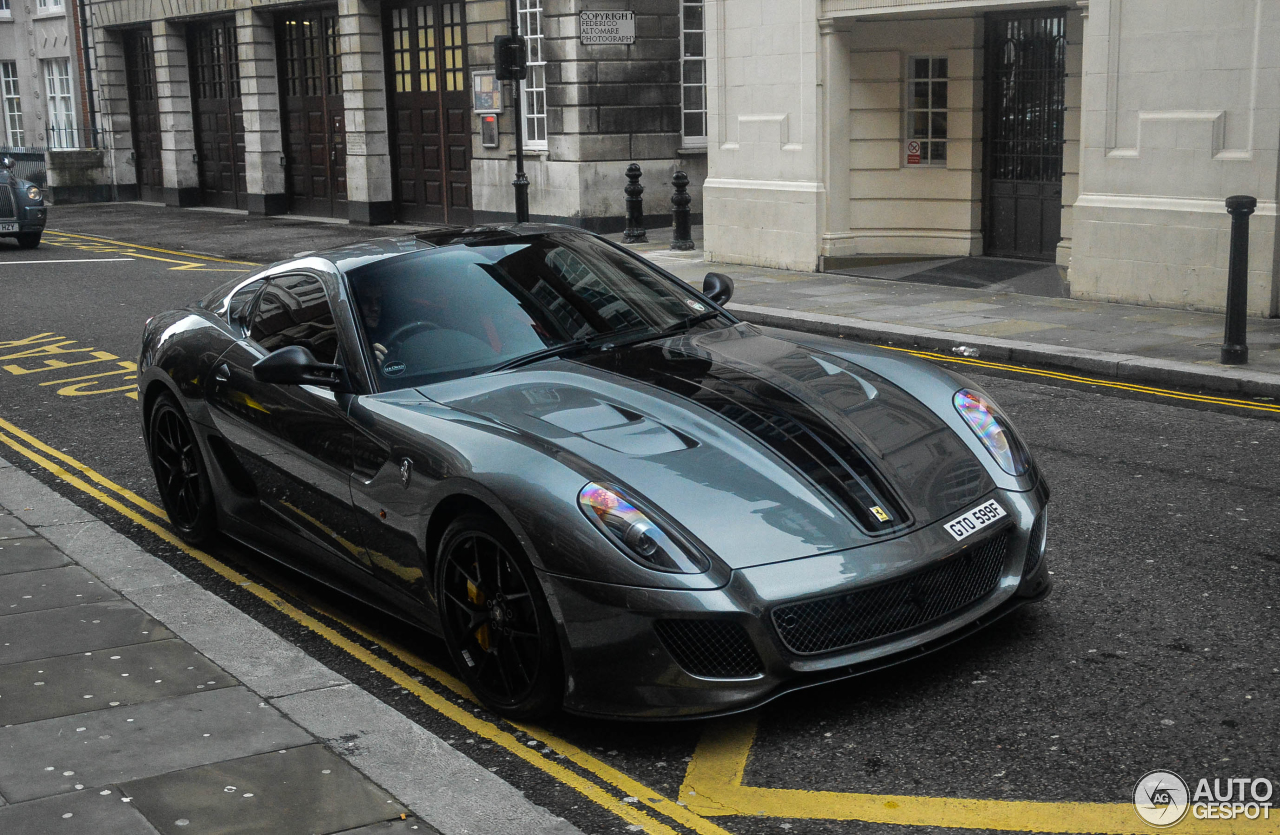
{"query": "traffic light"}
pixel 509 57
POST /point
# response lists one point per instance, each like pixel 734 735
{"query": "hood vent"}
pixel 785 425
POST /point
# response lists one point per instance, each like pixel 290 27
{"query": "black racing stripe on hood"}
pixel 774 417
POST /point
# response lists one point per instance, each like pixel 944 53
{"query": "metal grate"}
pixel 6 201
pixel 710 648
pixel 1033 551
pixel 833 623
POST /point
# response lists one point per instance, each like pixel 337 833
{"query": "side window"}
pixel 294 310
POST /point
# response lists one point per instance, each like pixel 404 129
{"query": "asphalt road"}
pixel 1157 649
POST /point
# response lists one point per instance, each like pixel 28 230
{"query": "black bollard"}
pixel 635 208
pixel 1234 349
pixel 682 237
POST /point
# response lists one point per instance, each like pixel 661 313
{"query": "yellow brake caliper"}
pixel 477 597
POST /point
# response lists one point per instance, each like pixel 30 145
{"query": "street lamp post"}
pixel 521 182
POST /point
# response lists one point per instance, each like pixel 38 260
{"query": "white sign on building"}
pixel 607 28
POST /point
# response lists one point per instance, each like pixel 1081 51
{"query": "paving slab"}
pixel 123 743
pixel 11 527
pixel 88 812
pixel 300 791
pixel 68 684
pixel 34 504
pixel 93 626
pixel 441 784
pixel 412 826
pixel 239 644
pixel 31 553
pixel 120 563
pixel 50 589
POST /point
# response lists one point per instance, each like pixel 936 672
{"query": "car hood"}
pixel 762 449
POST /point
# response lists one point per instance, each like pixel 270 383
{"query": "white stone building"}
pixel 1102 135
pixel 40 75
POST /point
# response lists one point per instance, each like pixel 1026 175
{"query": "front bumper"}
pixel 32 218
pixel 618 666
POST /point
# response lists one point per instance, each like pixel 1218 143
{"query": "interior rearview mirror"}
pixel 718 287
pixel 296 366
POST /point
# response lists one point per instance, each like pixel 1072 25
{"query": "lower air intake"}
pixel 710 648
pixel 833 623
pixel 1033 546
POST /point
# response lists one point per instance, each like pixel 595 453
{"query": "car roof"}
pixel 349 257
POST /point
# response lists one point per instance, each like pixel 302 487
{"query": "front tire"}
pixel 497 623
pixel 29 240
pixel 180 472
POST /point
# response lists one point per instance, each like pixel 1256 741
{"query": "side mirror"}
pixel 718 287
pixel 296 366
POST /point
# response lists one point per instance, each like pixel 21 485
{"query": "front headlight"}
pixel 994 430
pixel 33 193
pixel 634 533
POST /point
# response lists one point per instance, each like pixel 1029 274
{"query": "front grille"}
pixel 1033 547
pixel 710 648
pixel 833 623
pixel 6 202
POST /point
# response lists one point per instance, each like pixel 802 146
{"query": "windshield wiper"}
pixel 579 344
pixel 602 341
pixel 682 325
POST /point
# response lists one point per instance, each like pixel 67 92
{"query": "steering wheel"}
pixel 405 331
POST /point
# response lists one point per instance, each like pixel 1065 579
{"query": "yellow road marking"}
pixel 466 719
pixel 713 786
pixel 187 255
pixel 190 262
pixel 1092 381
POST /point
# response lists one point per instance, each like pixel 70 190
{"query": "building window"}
pixel 57 85
pixel 693 74
pixel 49 7
pixel 927 111
pixel 534 86
pixel 12 104
pixel 5 12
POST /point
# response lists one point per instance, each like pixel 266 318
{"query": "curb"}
pixel 1125 367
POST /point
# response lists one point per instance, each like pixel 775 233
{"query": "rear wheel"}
pixel 29 240
pixel 180 472
pixel 496 620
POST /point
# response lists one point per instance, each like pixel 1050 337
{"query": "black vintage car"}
pixel 22 209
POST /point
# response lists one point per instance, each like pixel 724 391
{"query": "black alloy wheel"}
pixel 496 619
pixel 180 474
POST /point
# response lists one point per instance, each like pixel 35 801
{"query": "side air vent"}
pixel 710 648
pixel 1034 552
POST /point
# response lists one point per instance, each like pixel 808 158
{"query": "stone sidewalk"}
pixel 1146 345
pixel 135 702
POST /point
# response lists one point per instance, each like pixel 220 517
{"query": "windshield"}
pixel 460 310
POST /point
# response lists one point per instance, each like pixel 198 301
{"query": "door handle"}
pixel 222 373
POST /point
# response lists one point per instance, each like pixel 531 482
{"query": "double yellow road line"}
pixel 595 780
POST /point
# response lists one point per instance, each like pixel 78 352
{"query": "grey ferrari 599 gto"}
pixel 604 492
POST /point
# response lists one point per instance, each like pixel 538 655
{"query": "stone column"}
pixel 365 100
pixel 177 126
pixel 113 109
pixel 260 99
pixel 1071 145
pixel 835 136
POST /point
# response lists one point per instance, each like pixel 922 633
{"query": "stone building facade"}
pixel 1102 135
pixel 40 76
pixel 365 109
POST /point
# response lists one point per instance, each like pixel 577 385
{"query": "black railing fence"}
pixel 30 162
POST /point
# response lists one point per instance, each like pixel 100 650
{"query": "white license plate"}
pixel 975 520
pixel 8 227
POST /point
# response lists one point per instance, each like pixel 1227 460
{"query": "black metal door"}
pixel 1025 109
pixel 144 114
pixel 429 110
pixel 218 115
pixel 314 118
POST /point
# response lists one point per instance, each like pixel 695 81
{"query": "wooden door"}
pixel 314 124
pixel 430 115
pixel 144 114
pixel 1026 113
pixel 219 119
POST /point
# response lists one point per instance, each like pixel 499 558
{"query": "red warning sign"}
pixel 913 153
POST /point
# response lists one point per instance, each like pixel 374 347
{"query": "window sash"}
pixel 693 74
pixel 925 110
pixel 62 123
pixel 533 88
pixel 12 104
pixel 44 6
